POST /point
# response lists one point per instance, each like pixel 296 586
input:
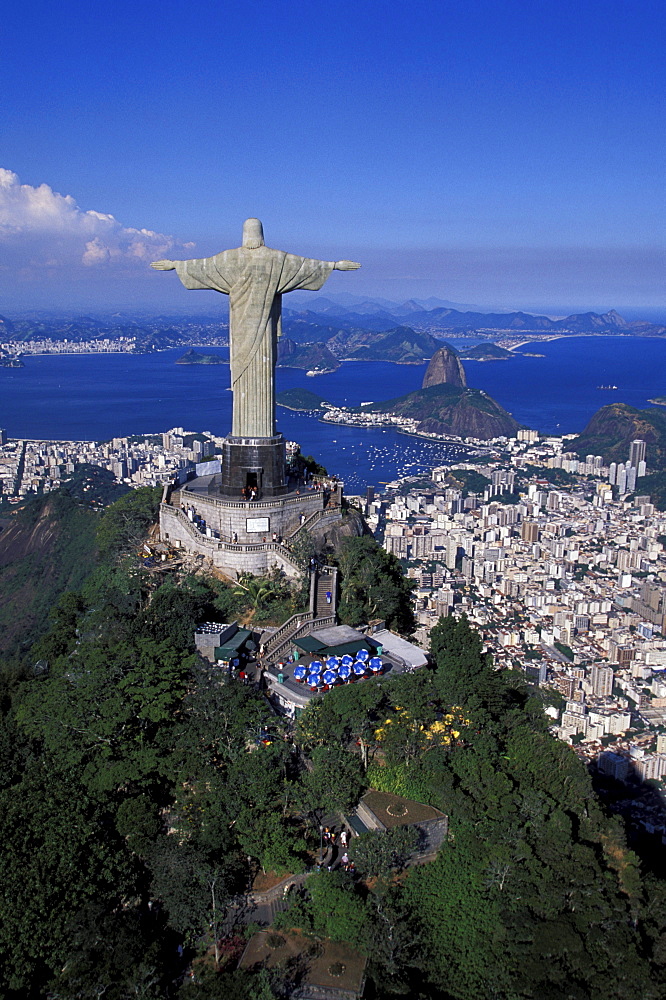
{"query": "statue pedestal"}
pixel 253 464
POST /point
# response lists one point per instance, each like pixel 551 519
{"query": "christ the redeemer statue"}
pixel 254 277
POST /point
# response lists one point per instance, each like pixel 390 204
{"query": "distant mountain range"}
pixel 375 336
pixel 355 327
pixel 445 319
pixel 367 304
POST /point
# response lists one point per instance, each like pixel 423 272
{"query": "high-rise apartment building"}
pixel 601 679
pixel 631 479
pixel 636 452
pixel 529 531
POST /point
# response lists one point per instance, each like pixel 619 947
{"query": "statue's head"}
pixel 253 234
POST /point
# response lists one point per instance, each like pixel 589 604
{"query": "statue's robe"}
pixel 255 281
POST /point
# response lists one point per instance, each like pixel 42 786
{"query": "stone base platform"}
pixel 246 537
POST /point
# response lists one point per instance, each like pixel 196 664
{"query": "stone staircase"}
pixel 286 632
pixel 321 614
pixel 294 628
pixel 308 523
pixel 325 582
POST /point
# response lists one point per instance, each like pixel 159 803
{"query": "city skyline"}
pixel 490 155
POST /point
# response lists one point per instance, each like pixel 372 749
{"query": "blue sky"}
pixel 506 153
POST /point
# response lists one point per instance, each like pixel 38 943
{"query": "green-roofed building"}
pixel 235 646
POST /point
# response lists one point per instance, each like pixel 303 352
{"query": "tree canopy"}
pixel 141 790
pixel 373 586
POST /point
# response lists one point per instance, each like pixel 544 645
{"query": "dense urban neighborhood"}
pixel 565 582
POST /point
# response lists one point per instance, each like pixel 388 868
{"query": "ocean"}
pixel 100 396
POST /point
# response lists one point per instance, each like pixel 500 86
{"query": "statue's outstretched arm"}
pixel 164 265
pixel 345 265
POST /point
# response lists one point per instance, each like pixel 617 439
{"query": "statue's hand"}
pixel 163 265
pixel 346 265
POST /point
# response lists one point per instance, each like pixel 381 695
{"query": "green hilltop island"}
pixel 301 399
pixel 193 357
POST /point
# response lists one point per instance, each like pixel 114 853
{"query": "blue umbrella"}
pixel 316 665
pixel 314 680
pixel 359 668
pixel 300 672
pixel 376 664
pixel 333 662
pixel 362 655
pixel 344 672
pixel 330 677
pixel 347 660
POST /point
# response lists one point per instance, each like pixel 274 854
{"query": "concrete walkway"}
pixel 261 907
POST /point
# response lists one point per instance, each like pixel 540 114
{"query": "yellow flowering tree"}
pixel 404 734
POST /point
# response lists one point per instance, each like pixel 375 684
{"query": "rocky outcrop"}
pixel 328 535
pixel 445 368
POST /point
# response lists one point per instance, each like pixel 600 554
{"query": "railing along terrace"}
pixel 248 504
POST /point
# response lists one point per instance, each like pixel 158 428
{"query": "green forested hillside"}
pixel 612 429
pixel 300 399
pixel 654 486
pixel 535 894
pixel 48 546
pixel 140 793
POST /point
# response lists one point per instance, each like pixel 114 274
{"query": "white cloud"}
pixel 95 253
pixel 41 228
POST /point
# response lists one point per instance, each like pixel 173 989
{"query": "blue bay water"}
pixel 96 397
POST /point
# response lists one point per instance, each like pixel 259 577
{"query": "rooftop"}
pixel 394 810
pixel 338 640
pixel 332 967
